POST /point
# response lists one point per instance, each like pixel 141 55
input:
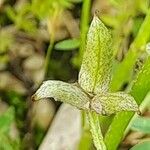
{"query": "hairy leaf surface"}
pixel 95 73
pixel 111 103
pixel 64 92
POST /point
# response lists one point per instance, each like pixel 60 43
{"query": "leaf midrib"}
pixel 98 61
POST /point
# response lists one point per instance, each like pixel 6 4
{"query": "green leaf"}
pixel 141 124
pixel 67 45
pixel 142 146
pixel 111 103
pixel 95 72
pixel 139 90
pixel 65 92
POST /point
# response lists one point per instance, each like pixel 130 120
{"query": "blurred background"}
pixel 42 40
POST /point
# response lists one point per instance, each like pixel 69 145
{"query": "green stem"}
pixel 96 131
pixel 86 139
pixel 51 28
pixel 85 124
pixel 83 32
pixel 84 28
pixel 49 50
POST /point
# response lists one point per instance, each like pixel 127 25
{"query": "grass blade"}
pixel 124 69
pixel 120 122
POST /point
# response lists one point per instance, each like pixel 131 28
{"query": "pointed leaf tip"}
pixel 95 72
pixel 64 92
pixel 96 13
pixel 33 97
pixel 112 103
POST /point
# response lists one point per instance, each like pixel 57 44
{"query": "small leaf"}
pixel 64 92
pixel 142 146
pixel 95 73
pixel 67 45
pixel 141 124
pixel 111 103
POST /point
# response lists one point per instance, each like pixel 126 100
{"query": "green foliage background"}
pixel 52 34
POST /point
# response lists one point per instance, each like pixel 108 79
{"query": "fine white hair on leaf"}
pixel 65 92
pixel 112 103
pixel 95 72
